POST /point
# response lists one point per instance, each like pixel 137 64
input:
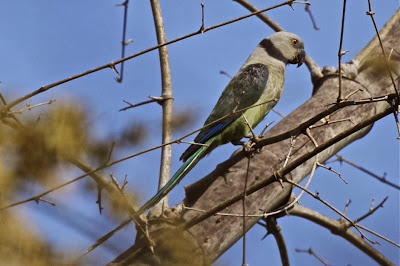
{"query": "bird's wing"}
pixel 242 91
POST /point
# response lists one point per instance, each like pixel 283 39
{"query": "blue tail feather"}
pixel 176 178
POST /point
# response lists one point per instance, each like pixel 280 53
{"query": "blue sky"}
pixel 44 41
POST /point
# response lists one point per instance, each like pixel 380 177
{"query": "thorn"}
pixel 127 42
pixel 223 72
pixel 112 66
pixel 157 99
pixel 278 178
pixel 125 3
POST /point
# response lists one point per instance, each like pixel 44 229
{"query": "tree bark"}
pixel 204 242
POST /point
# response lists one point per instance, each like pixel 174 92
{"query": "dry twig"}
pixel 337 227
pixel 341 53
pixel 313 253
pixel 382 179
pixel 123 42
pixel 386 59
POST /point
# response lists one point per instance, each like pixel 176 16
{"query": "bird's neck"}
pixel 261 56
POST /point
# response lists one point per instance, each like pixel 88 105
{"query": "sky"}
pixel 44 41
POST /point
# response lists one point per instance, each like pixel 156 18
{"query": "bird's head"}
pixel 285 46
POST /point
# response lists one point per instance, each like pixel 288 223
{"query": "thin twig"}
pixel 292 142
pixel 99 201
pixel 44 200
pixel 202 18
pixel 371 14
pixel 110 153
pixel 378 235
pixel 158 99
pixel 316 196
pixel 193 143
pixel 308 10
pixel 46 192
pixel 310 136
pixel 264 129
pixel 396 119
pixel 313 253
pixel 340 53
pixel 346 206
pixel 387 97
pixel 336 227
pixel 131 105
pixel 380 178
pixel 223 72
pixel 372 203
pixel 123 42
pixel 30 107
pixel 354 92
pixel 330 169
pixel 276 111
pixel 131 211
pixel 371 211
pixel 254 135
pixel 244 210
pixel 328 122
pixel 3 100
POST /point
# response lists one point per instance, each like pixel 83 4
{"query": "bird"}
pixel 250 95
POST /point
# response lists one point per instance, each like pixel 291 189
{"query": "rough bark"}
pixel 204 242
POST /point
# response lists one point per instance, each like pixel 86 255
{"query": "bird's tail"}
pixel 176 178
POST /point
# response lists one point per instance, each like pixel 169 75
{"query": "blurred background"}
pixel 44 41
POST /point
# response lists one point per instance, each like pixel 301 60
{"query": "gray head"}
pixel 285 46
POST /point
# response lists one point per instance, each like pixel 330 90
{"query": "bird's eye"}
pixel 295 42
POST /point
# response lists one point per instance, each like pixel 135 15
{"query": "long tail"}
pixel 182 171
pixel 176 178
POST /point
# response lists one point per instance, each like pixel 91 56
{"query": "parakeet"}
pixel 258 83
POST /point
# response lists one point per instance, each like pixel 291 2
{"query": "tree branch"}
pixel 337 227
pixel 167 105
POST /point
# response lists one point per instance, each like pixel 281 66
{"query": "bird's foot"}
pixel 249 147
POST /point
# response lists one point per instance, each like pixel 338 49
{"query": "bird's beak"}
pixel 301 56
